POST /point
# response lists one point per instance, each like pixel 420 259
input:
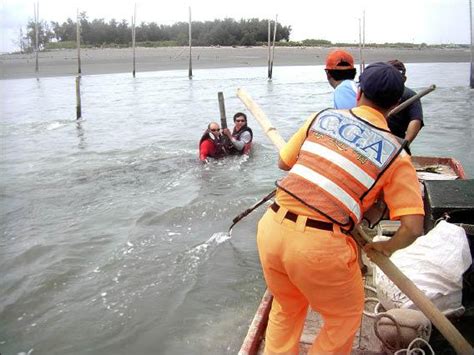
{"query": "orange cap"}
pixel 339 60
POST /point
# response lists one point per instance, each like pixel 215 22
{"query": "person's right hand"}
pixel 383 247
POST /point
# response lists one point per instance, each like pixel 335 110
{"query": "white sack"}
pixel 435 263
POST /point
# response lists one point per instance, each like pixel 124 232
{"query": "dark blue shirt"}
pixel 398 123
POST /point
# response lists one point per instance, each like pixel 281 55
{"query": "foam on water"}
pixel 209 245
pixel 55 125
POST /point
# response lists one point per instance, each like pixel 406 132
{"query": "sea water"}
pixel 113 235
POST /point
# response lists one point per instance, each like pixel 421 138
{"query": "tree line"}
pixel 97 32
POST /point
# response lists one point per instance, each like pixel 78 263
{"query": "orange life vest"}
pixel 341 159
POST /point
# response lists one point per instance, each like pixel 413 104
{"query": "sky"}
pixel 414 21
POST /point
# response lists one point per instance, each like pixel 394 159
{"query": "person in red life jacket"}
pixel 211 144
pixel 339 163
pixel 241 137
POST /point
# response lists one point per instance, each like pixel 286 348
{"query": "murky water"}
pixel 113 235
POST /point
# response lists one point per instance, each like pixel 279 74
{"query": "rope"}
pixel 468 228
pixel 410 351
pixel 373 314
pixel 249 210
pixel 397 326
pixel 372 299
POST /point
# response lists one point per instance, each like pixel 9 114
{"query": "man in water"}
pixel 409 121
pixel 339 163
pixel 211 144
pixel 340 73
pixel 241 137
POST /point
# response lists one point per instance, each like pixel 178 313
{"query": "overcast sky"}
pixel 429 21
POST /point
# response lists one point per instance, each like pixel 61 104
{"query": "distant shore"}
pixel 119 60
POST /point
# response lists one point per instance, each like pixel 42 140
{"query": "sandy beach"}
pixel 104 61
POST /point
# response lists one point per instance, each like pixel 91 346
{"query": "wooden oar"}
pixel 439 320
pixel 411 100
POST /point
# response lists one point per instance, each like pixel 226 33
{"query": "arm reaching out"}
pixel 411 228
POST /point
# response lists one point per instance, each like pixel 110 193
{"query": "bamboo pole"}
pixel 269 48
pixel 472 48
pixel 445 327
pixel 36 10
pixel 78 97
pixel 190 73
pixel 134 18
pixel 273 47
pixel 262 119
pixel 78 40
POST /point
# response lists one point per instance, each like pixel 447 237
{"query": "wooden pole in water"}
pixel 36 10
pixel 220 97
pixel 363 40
pixel 134 18
pixel 360 49
pixel 78 97
pixel 78 40
pixel 472 48
pixel 190 73
pixel 445 327
pixel 269 48
pixel 273 47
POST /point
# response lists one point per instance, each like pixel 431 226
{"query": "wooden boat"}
pixel 428 168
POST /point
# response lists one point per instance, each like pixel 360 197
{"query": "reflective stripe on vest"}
pixel 340 161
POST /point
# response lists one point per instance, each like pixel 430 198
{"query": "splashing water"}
pixel 201 252
pixel 219 237
pixel 214 240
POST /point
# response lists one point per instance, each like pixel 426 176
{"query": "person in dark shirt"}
pixel 241 137
pixel 408 122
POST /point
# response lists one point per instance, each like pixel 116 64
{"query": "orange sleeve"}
pixel 402 190
pixel 289 152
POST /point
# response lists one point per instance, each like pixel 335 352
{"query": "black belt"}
pixel 313 223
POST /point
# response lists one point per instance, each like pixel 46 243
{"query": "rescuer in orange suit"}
pixel 339 162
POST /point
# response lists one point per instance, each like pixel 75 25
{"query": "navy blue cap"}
pixel 382 84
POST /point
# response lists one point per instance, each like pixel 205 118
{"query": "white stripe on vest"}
pixel 328 186
pixel 340 161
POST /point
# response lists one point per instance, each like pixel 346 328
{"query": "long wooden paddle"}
pixel 445 327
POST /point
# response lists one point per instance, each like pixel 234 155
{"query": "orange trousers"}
pixel 309 267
